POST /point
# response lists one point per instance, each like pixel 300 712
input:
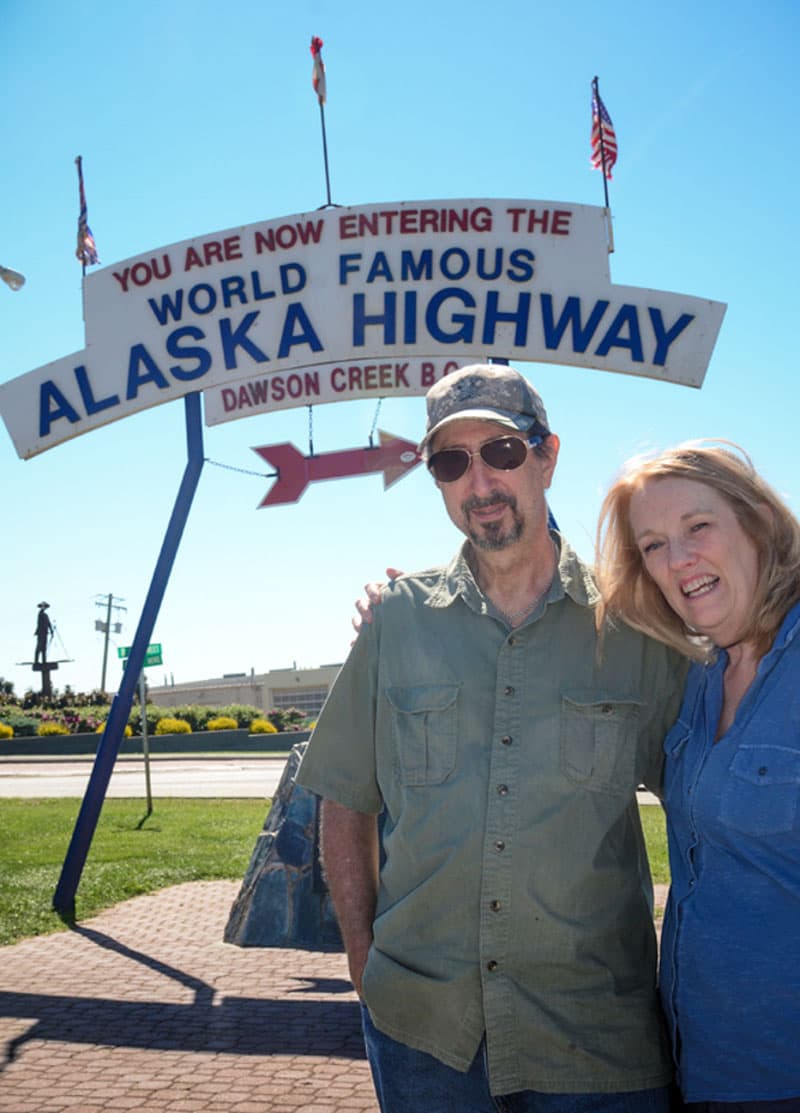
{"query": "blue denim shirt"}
pixel 730 960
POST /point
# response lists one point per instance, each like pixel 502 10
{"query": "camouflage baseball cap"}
pixel 485 392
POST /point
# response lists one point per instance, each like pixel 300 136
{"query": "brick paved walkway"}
pixel 144 1008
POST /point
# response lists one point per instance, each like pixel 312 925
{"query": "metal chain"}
pixel 374 422
pixel 244 471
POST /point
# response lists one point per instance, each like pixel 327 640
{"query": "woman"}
pixel 698 551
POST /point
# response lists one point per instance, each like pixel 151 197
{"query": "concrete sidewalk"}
pixel 144 1008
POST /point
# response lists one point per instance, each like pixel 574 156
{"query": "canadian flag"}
pixel 318 72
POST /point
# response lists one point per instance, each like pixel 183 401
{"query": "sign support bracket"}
pixel 108 749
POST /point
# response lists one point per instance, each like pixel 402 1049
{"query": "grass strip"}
pixel 183 840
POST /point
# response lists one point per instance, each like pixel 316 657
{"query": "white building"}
pixel 304 689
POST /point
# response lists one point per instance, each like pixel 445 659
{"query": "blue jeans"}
pixel 409 1081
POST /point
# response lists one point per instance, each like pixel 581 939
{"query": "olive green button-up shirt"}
pixel 515 897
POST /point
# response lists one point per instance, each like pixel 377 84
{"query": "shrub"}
pixel 6 731
pixel 263 726
pixel 168 725
pixel 243 713
pixel 222 722
pixel 127 732
pixel 50 726
pixel 24 726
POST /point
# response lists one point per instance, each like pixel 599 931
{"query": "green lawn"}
pixel 183 840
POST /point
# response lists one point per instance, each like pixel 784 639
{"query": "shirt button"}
pixel 512 641
pixel 495 905
pixel 491 965
pixel 509 691
pixel 499 845
pixel 506 740
pixel 762 771
pixel 607 709
pixel 502 790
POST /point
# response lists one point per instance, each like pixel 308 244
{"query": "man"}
pixel 499 932
pixel 43 632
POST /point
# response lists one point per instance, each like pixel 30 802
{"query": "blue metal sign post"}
pixel 108 749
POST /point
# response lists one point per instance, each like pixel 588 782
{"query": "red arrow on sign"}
pixel 393 456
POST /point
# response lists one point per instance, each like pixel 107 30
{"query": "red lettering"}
pixel 561 219
pixel 347 227
pixel 233 247
pixel 192 259
pixel 427 374
pixel 337 380
pixel 212 252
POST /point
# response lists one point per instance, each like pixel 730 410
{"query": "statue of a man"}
pixel 43 632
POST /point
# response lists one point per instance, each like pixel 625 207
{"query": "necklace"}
pixel 511 617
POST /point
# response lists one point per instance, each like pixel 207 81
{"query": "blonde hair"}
pixel 628 592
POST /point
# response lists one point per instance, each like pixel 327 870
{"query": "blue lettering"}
pixel 380 268
pixel 523 259
pixel 232 286
pixel 296 315
pixel 628 318
pixel 193 297
pixel 466 322
pixel 169 308
pixel 462 263
pixel 422 268
pixel 498 264
pixel 177 352
pixel 140 356
pixel 570 315
pixel 288 270
pixel 520 317
pixel 91 405
pixel 664 339
pixel 52 406
pixel 410 317
pixel 258 293
pixel 361 319
pixel 348 264
pixel 237 338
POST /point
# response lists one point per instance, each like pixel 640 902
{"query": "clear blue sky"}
pixel 194 117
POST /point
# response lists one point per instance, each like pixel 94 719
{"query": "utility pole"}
pixel 110 602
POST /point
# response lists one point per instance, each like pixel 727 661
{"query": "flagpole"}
pixel 609 225
pixel 325 151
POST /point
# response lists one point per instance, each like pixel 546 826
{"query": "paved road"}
pixel 199 776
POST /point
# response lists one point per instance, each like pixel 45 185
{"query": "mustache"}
pixel 494 498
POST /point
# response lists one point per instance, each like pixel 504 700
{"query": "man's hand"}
pixel 371 599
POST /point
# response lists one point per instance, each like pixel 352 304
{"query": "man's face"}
pixel 496 509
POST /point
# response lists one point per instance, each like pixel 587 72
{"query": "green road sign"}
pixel 152 654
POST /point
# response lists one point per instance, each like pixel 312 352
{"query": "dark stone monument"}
pixel 284 901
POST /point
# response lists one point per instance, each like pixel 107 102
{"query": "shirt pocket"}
pixel 424 732
pixel 761 792
pixel 599 739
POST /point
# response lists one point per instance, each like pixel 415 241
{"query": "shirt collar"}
pixel 572 578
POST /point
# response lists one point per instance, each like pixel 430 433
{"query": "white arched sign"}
pixel 345 303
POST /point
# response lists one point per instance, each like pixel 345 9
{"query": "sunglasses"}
pixel 502 454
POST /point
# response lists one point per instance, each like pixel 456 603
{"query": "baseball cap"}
pixel 485 392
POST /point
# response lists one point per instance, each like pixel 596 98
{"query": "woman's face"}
pixel 694 549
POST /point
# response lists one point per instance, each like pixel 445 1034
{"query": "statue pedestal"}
pixel 283 901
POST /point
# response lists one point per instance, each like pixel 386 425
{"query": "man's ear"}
pixel 550 446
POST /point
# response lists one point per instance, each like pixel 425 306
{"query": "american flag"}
pixel 602 121
pixel 86 251
pixel 318 72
